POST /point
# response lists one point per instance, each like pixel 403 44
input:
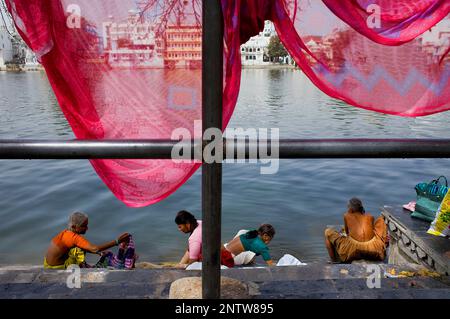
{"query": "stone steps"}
pixel 87 291
pixel 308 272
pixel 403 288
pixel 311 281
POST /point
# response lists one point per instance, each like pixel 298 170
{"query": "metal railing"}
pixel 288 148
pixel 212 98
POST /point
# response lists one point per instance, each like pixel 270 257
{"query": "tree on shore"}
pixel 172 12
pixel 276 49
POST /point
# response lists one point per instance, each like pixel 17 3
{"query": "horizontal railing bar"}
pixel 252 149
pixel 365 148
pixel 87 149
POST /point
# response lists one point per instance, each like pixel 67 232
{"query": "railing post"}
pixel 212 43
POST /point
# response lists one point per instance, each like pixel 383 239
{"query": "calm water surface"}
pixel 300 200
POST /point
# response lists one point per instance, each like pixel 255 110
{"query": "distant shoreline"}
pixel 34 69
pixel 270 66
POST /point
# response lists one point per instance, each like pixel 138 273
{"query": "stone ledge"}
pixel 311 281
pixel 411 244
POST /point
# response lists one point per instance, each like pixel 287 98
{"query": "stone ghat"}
pixel 410 242
pixel 323 281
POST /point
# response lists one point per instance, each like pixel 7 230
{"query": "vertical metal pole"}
pixel 212 81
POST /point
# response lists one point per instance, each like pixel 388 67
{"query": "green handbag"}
pixel 429 197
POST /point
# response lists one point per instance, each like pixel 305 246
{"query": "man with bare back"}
pixel 363 238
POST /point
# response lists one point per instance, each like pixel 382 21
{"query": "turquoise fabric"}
pixel 425 209
pixel 255 245
pixel 424 217
pixel 429 197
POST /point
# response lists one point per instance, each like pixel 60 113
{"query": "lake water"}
pixel 36 197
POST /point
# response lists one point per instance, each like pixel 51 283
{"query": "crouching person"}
pixel 364 238
pixel 248 244
pixel 69 246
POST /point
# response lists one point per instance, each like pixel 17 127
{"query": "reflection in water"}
pixel 275 75
pixel 300 200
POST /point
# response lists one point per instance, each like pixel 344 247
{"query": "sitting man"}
pixel 363 239
pixel 68 247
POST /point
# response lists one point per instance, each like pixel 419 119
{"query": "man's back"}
pixel 359 226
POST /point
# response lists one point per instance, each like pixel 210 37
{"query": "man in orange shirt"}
pixel 69 247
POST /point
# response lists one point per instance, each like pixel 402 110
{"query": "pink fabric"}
pixel 195 242
pixel 411 206
pixel 406 80
pixel 401 20
pixel 398 67
pixel 105 102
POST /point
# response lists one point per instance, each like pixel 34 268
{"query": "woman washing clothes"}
pixel 255 241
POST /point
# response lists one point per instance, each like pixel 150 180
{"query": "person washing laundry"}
pixel 188 224
pixel 69 247
pixel 248 244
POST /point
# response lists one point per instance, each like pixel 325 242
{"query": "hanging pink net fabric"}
pixel 121 74
pixel 390 22
pixel 131 69
pixel 367 60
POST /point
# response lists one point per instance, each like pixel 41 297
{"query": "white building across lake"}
pixel 6 48
pixel 16 52
pixel 132 43
pixel 254 51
